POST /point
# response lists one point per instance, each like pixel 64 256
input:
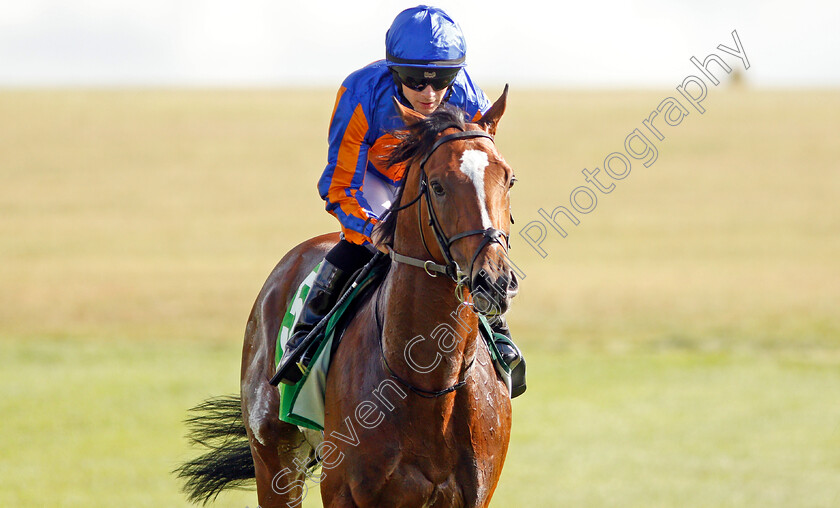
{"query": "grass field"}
pixel 683 340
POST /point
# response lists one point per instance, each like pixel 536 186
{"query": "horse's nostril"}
pixel 501 287
pixel 513 286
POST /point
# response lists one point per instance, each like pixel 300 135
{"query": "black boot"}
pixel 321 298
pixel 511 355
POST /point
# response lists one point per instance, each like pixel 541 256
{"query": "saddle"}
pixel 302 404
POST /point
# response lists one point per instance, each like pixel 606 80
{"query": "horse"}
pixel 416 414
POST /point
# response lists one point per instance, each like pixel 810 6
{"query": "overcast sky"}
pixel 310 42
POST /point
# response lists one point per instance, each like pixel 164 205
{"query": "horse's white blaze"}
pixel 473 164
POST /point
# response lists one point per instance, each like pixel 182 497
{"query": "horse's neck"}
pixel 429 338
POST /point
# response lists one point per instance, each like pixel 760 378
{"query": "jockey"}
pixel 423 68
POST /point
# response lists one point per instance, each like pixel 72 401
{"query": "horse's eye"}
pixel 512 181
pixel 437 188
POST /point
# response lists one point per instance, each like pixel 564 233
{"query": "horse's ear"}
pixel 408 115
pixel 490 120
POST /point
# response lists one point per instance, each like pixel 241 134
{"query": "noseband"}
pixel 490 235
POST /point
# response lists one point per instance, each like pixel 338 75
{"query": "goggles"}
pixel 418 78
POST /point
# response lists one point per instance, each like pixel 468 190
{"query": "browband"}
pixel 449 137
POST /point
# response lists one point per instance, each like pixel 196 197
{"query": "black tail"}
pixel 216 424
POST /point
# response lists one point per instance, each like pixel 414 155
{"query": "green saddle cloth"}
pixel 302 404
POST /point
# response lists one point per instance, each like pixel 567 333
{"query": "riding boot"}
pixel 325 292
pixel 511 355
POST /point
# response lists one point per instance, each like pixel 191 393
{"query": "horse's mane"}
pixel 414 142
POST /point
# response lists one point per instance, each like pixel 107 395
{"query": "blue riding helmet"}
pixel 425 36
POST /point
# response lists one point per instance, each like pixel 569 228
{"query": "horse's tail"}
pixel 216 424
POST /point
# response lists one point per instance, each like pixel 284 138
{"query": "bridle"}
pixel 450 268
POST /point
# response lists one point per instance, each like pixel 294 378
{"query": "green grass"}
pixel 670 429
pixel 97 424
pixel 683 341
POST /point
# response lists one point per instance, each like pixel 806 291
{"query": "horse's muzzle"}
pixel 492 294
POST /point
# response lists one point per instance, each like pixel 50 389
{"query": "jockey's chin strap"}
pixel 490 235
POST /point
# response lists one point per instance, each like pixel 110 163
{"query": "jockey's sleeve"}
pixel 341 183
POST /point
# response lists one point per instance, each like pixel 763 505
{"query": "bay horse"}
pixel 415 412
